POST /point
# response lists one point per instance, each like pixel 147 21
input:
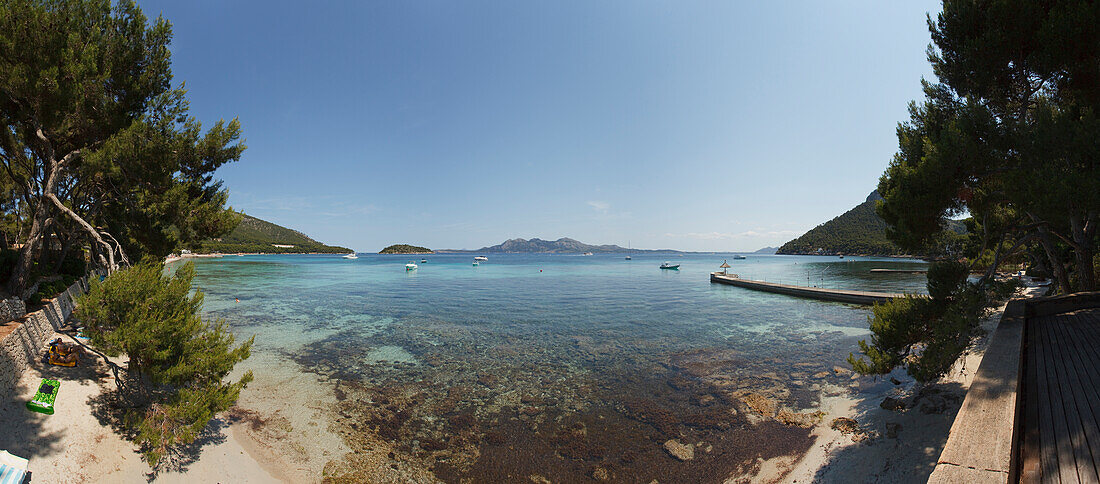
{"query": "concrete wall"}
pixel 26 342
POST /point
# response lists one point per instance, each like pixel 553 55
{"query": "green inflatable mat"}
pixel 43 400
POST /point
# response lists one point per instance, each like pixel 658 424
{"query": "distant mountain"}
pixel 857 231
pixel 405 249
pixel 767 250
pixel 256 235
pixel 563 245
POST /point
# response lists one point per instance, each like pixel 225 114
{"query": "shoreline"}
pixel 901 428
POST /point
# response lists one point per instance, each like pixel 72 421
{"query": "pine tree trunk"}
pixel 1083 252
pixel 1056 265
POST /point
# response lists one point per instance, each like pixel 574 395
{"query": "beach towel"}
pixel 12 469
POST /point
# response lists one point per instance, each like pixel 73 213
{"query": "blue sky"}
pixel 687 125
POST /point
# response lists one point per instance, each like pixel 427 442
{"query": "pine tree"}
pixel 177 362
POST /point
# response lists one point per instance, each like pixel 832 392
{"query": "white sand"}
pixel 73 446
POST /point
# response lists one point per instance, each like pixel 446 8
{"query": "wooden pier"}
pixel 901 271
pixel 837 295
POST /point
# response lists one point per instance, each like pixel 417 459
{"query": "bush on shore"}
pixel 174 379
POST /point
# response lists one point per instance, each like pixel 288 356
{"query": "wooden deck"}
pixel 837 295
pixel 1061 418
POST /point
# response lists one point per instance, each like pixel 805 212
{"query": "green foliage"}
pixel 96 142
pixel 1009 134
pixel 405 249
pixel 857 231
pixel 927 335
pixel 177 361
pixel 255 235
pixel 945 278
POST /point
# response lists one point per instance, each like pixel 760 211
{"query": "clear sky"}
pixel 688 125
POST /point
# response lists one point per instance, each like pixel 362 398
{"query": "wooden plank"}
pixel 1029 451
pixel 1079 414
pixel 1083 340
pixel 981 436
pixel 1060 435
pixel 1048 456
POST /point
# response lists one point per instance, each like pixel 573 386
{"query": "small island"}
pixel 405 249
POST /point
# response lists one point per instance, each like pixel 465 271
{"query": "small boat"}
pixel 587 253
pixel 423 261
pixel 351 256
pixel 475 263
pixel 410 266
pixel 669 265
pixel 738 257
pixel 628 257
pixel 481 257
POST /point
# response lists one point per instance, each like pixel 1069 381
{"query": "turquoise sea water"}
pixel 557 365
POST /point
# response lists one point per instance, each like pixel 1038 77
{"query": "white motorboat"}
pixel 410 266
pixel 738 257
pixel 351 256
pixel 481 257
pixel 587 253
pixel 423 261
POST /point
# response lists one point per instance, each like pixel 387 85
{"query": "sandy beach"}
pixel 262 440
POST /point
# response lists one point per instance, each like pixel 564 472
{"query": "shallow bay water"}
pixel 558 367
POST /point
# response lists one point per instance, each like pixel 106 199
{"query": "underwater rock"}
pixel 600 474
pixel 803 419
pixel 680 451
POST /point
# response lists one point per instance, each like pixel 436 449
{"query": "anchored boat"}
pixel 669 265
pixel 410 266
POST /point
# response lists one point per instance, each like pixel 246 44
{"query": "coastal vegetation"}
pixel 925 335
pixel 102 164
pixel 405 249
pixel 101 159
pixel 177 362
pixel 253 235
pixel 1008 134
pixel 857 231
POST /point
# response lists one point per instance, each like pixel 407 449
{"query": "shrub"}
pixel 177 362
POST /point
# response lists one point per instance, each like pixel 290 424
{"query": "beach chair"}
pixel 13 470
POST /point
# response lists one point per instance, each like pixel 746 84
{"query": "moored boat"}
pixel 481 257
pixel 410 266
pixel 351 256
pixel 669 265
pixel 738 257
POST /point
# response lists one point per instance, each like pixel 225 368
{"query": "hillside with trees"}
pixel 254 235
pixel 857 231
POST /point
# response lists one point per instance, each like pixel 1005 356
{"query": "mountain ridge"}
pixel 563 245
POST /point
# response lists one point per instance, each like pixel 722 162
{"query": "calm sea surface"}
pixel 561 366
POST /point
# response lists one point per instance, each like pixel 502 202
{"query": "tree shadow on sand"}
pixel 903 445
pixel 114 411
